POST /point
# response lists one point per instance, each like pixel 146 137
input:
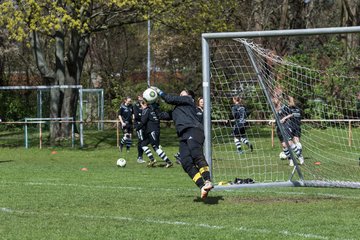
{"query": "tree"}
pixel 65 28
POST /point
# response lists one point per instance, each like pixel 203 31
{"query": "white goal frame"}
pixel 206 76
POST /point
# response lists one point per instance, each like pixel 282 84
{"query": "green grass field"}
pixel 46 195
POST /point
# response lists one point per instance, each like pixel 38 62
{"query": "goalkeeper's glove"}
pixel 157 90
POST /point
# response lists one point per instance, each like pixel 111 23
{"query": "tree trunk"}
pixel 350 12
pixel 78 48
pixel 63 102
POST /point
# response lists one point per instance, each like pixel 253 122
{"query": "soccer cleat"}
pixel 169 164
pixel 206 189
pixel 152 163
pixel 291 163
pixel 140 160
pixel 301 160
pixel 251 147
pixel 240 151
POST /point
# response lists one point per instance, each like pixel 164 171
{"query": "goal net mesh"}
pixel 330 133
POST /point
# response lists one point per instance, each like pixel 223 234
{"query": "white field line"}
pixel 177 223
pixel 258 190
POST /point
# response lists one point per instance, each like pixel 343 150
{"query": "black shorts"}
pixel 128 129
pixel 296 131
pixel 288 133
pixel 152 138
pixel 191 144
pixel 239 130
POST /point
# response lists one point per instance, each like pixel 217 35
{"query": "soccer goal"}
pixel 234 65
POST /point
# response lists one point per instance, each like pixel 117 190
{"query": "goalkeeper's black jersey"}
pixel 184 113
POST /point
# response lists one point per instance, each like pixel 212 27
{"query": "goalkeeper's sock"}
pixel 205 173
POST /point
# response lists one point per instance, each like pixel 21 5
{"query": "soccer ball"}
pixel 150 95
pixel 121 162
pixel 282 155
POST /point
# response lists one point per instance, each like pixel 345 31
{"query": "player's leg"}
pixel 297 135
pixel 298 149
pixel 287 153
pixel 244 139
pixel 129 137
pixel 294 146
pixel 148 152
pixel 177 157
pixel 284 147
pixel 155 141
pixel 190 168
pixel 236 133
pixel 194 141
pixel 123 139
pixel 139 134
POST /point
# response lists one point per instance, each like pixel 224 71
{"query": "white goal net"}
pixel 256 99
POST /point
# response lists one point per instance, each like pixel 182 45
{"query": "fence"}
pixel 34 130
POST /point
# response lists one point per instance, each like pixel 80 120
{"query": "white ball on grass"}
pixel 282 155
pixel 121 162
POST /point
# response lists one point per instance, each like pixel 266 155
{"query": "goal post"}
pixel 234 66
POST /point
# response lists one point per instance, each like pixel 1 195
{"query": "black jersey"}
pixel 239 113
pixel 296 112
pixel 184 113
pixel 137 112
pixel 126 113
pixel 149 121
pixel 283 112
pixel 200 114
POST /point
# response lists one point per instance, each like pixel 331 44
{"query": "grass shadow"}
pixel 209 200
pixel 6 161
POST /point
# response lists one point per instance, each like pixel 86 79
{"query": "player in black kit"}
pixel 284 115
pixel 126 119
pixel 191 135
pixel 240 113
pixel 150 126
pixel 295 122
pixel 137 120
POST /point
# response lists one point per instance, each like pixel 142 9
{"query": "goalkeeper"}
pixel 191 136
